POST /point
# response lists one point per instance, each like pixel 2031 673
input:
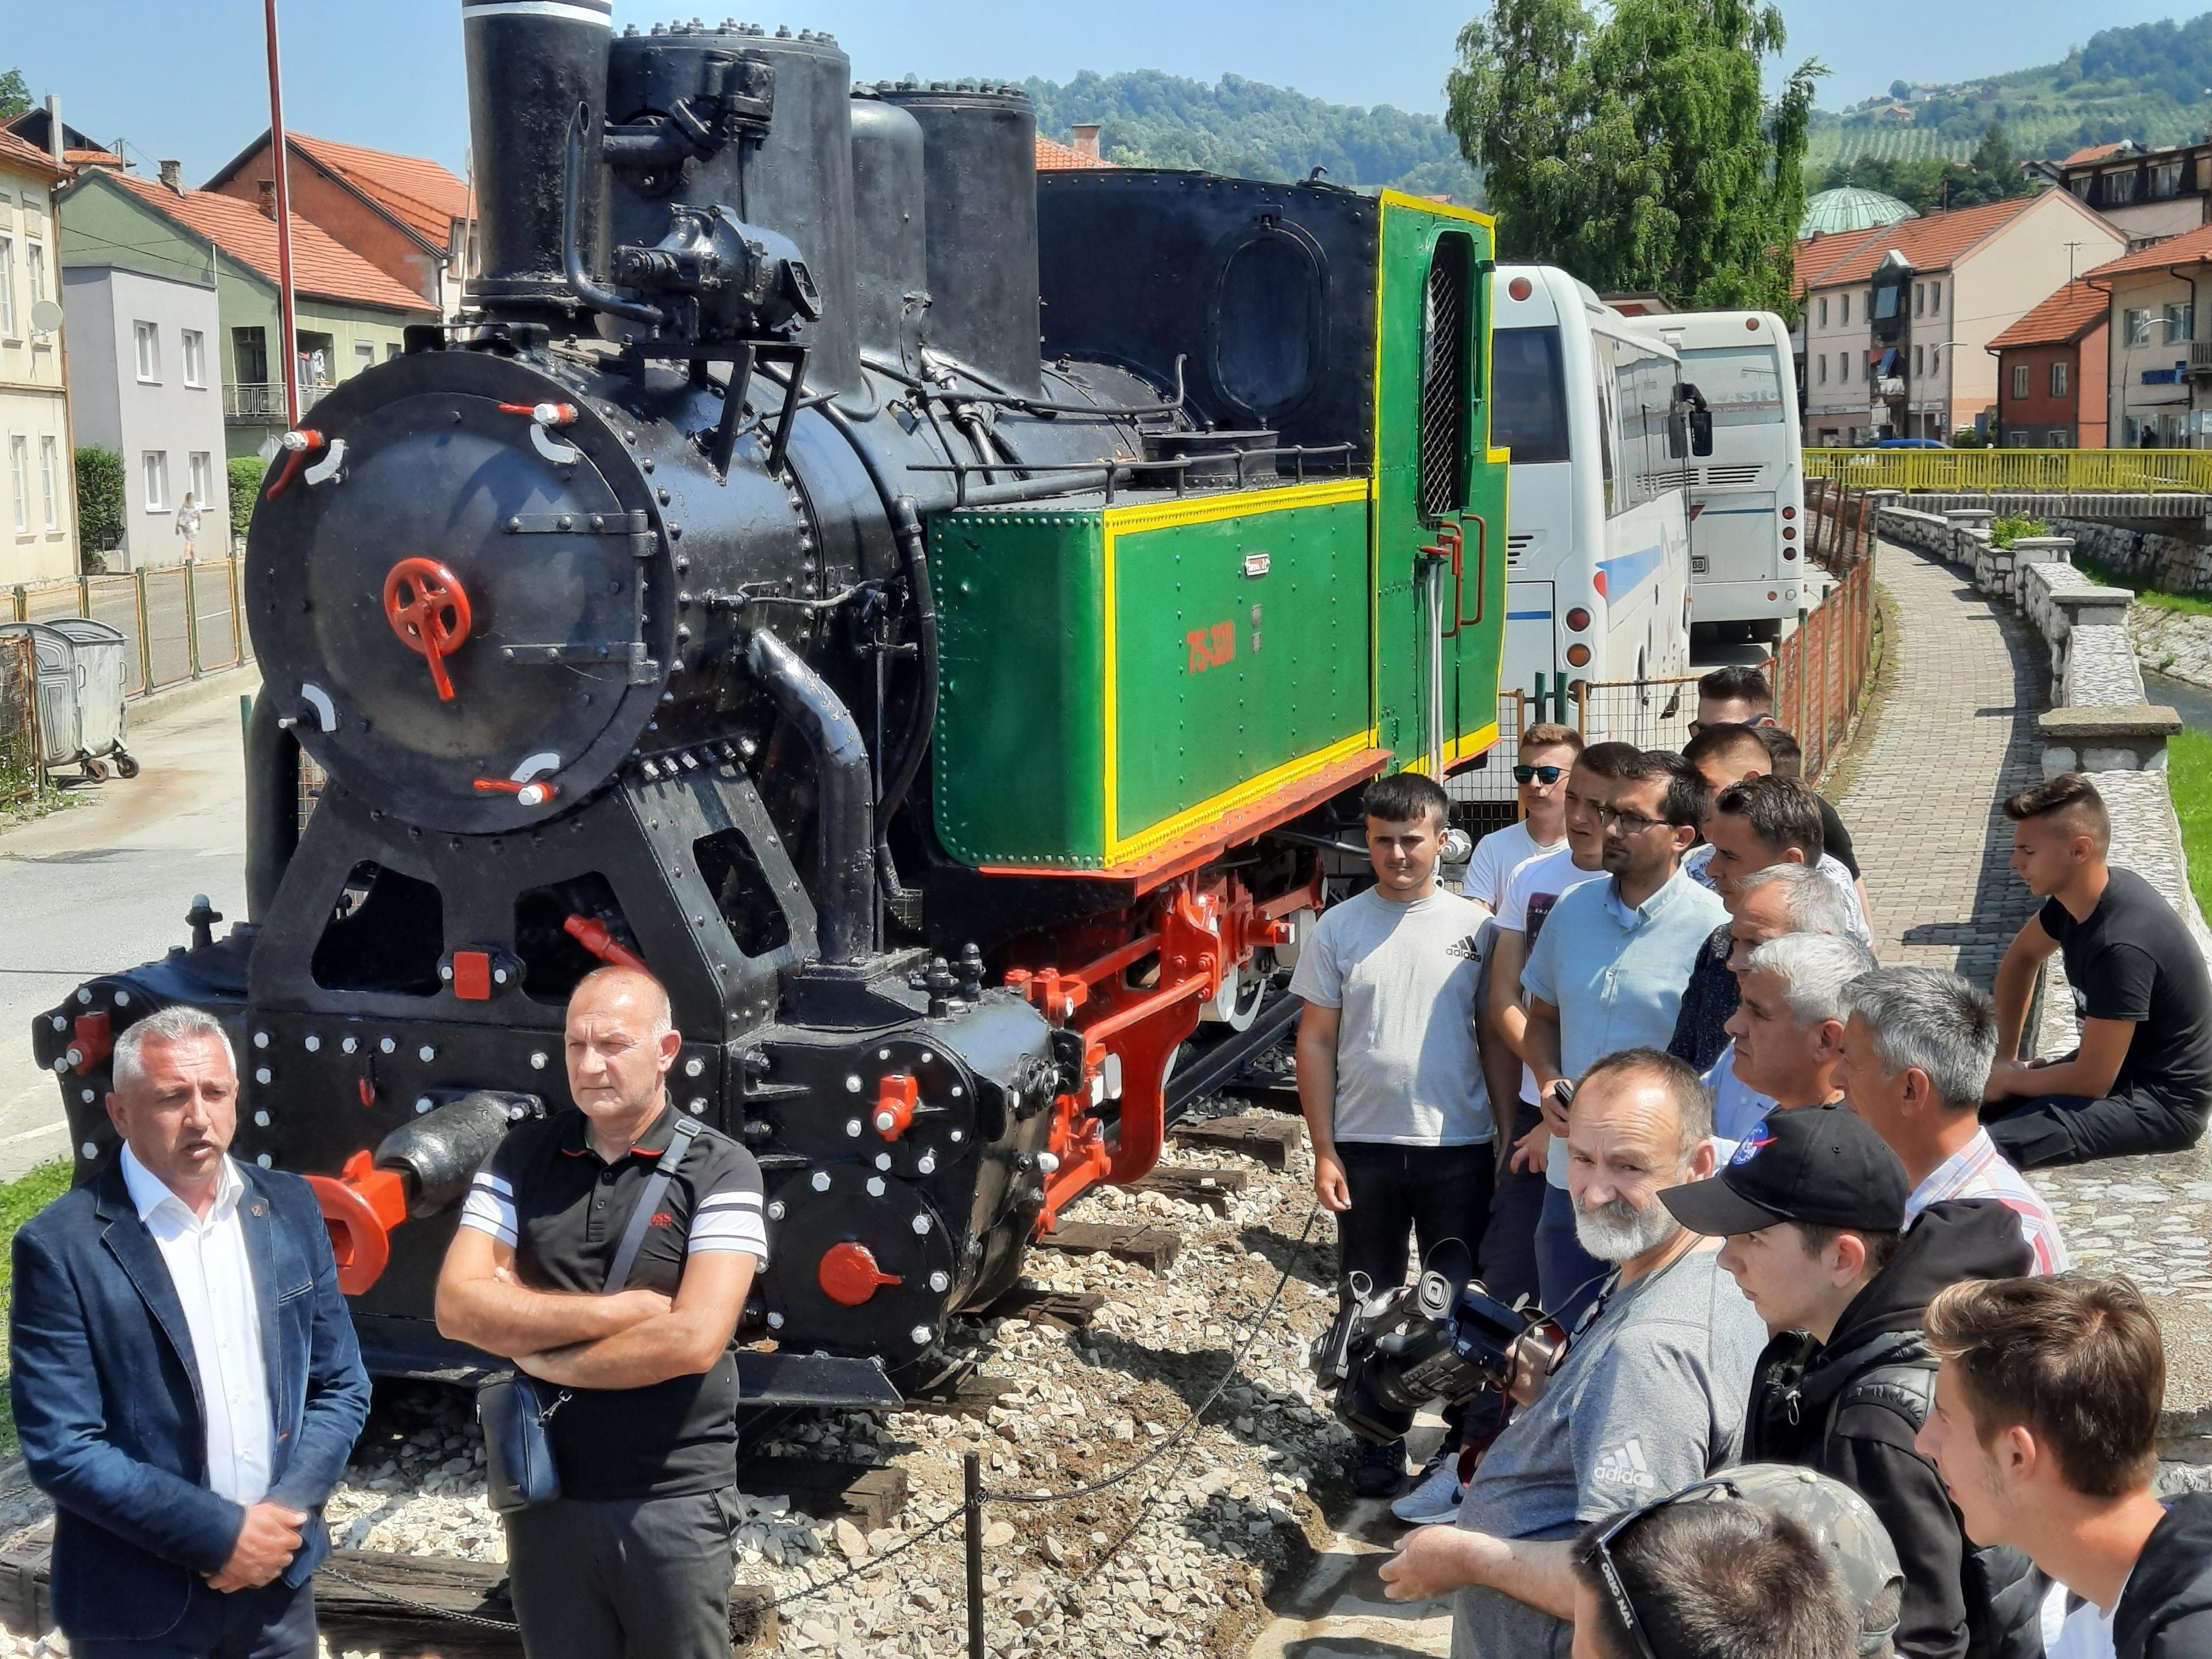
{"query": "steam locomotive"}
pixel 937 618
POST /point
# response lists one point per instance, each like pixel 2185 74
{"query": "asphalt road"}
pixel 106 885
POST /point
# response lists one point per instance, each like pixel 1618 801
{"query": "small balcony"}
pixel 2200 359
pixel 261 403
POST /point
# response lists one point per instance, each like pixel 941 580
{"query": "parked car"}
pixel 1912 443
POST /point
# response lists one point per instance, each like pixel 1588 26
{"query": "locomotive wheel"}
pixel 126 764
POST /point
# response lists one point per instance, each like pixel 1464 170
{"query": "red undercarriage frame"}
pixel 1197 930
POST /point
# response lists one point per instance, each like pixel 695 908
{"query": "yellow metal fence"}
pixel 2047 471
pixel 178 621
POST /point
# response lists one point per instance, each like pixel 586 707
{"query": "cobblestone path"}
pixel 1954 737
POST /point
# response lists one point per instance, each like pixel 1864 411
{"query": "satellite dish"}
pixel 45 317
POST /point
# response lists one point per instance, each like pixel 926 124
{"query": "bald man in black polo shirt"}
pixel 635 1555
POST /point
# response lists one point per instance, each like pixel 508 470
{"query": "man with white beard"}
pixel 1649 1397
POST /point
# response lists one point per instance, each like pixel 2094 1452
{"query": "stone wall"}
pixel 2178 564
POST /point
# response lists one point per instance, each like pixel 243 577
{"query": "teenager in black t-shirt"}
pixel 2141 1080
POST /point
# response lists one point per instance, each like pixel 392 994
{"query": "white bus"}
pixel 1598 548
pixel 1748 529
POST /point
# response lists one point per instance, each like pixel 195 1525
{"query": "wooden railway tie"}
pixel 1266 1136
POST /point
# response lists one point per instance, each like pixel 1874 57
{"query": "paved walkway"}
pixel 1953 737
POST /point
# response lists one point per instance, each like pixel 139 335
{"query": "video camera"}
pixel 1443 1337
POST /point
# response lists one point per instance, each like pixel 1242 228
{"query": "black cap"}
pixel 1821 1164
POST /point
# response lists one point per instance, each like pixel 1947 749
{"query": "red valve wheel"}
pixel 429 609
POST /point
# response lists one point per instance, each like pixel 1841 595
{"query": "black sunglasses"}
pixel 1543 774
pixel 1608 1570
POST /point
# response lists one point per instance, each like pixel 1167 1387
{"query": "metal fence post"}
pixel 23 604
pixel 192 616
pixel 145 643
pixel 237 626
pixel 972 1484
pixel 84 594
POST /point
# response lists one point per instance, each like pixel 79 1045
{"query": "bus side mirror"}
pixel 1678 434
pixel 1701 431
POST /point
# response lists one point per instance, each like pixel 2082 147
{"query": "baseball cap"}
pixel 1824 1165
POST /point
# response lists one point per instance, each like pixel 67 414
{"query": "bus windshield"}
pixel 1528 413
pixel 1742 385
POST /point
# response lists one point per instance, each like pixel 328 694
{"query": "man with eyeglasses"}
pixel 1607 972
pixel 1547 753
pixel 1647 1397
pixel 1765 1562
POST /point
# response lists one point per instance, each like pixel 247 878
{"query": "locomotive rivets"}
pixel 821 1182
pixel 389 1045
pixel 921 1223
pixel 662 493
pixel 62 1063
pixel 311 1043
pixel 425 1054
pixel 927 1163
pixel 261 1074
pixel 875 1186
pixel 693 1067
pixel 445 971
pixel 922 1334
pixel 86 1096
pixel 959 1135
pixel 775 1211
pixel 853 1127
pixel 266 1162
pixel 351 1045
pixel 261 1039
pixel 61 1022
pixel 83 995
pixel 89 1149
pixel 499 975
pixel 851 1085
pixel 537 1061
pixel 957 1092
pixel 775 1322
pixel 940 1281
pixel 883 1054
pixel 421 1104
pixel 926 1056
pixel 261 1119
pixel 883 1160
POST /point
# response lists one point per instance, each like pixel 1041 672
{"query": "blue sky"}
pixel 185 78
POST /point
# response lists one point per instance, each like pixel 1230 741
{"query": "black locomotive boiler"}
pixel 607 614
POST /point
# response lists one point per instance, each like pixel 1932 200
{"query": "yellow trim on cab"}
pixel 1464 747
pixel 1119 521
pixel 1442 210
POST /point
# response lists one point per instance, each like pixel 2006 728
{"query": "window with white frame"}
pixel 2059 379
pixel 202 470
pixel 7 287
pixel 2165 178
pixel 364 355
pixel 2080 183
pixel 2119 187
pixel 2056 438
pixel 2181 321
pixel 194 345
pixel 2135 326
pixel 50 478
pixel 19 480
pixel 150 352
pixel 2019 380
pixel 155 464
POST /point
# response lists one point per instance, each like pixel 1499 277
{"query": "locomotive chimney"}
pixel 529 69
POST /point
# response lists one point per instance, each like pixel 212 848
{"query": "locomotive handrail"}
pixel 1112 470
pixel 1036 405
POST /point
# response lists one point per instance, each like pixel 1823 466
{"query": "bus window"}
pixel 1608 429
pixel 1742 385
pixel 1528 395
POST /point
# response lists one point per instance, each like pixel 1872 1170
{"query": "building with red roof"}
pixel 412 218
pixel 2051 391
pixel 2148 193
pixel 38 491
pixel 1053 156
pixel 1898 318
pixel 2157 364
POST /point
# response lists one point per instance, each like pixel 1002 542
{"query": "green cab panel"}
pixel 1115 680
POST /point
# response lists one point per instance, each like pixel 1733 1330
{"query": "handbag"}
pixel 513 1409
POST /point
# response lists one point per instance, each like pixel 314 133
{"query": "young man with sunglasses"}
pixel 1607 974
pixel 1767 1561
pixel 1547 755
pixel 1813 1209
pixel 1647 1395
pixel 2046 1429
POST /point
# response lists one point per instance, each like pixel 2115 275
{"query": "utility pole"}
pixel 2071 248
pixel 279 154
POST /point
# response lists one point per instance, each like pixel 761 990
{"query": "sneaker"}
pixel 1378 1471
pixel 1435 1496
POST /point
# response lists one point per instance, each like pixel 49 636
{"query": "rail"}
pixel 2062 470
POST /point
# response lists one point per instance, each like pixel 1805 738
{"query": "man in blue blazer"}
pixel 186 1383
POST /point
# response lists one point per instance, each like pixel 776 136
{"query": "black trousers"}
pixel 2053 1129
pixel 275 1621
pixel 624 1578
pixel 1431 1193
pixel 1509 1244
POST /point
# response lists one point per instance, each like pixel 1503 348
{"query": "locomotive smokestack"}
pixel 529 69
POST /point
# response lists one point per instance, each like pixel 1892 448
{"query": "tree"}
pixel 245 475
pixel 14 95
pixel 1637 150
pixel 1899 91
pixel 98 502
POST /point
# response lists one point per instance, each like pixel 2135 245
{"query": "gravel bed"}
pixel 1174 1561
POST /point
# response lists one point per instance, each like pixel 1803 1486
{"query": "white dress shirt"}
pixel 214 1279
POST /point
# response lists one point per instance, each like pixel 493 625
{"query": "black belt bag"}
pixel 514 1410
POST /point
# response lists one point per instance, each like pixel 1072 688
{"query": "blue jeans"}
pixel 1567 1275
pixel 273 1622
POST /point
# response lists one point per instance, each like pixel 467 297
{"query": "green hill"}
pixel 1255 130
pixel 2148 82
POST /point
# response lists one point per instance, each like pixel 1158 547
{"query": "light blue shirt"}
pixel 1616 974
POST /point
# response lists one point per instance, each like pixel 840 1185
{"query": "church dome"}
pixel 1850 208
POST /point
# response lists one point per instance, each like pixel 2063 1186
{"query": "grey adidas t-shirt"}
pixel 1650 1398
pixel 1404 976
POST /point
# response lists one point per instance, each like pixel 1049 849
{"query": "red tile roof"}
pixel 2094 152
pixel 93 158
pixel 421 194
pixel 2063 317
pixel 1934 241
pixel 1053 156
pixel 321 266
pixel 2190 248
pixel 15 153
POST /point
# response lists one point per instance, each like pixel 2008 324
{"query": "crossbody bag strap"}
pixel 633 1239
